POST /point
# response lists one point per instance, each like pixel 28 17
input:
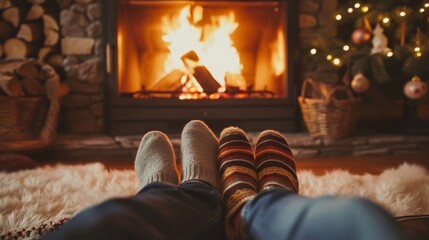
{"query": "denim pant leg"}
pixel 281 214
pixel 159 211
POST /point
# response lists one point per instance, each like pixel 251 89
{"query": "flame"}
pixel 211 41
pixel 278 59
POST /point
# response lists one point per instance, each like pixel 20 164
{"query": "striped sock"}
pixel 275 163
pixel 237 171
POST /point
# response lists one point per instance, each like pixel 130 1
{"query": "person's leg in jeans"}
pixel 283 214
pixel 278 212
pixel 162 209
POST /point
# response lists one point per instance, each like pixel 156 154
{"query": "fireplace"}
pixel 224 62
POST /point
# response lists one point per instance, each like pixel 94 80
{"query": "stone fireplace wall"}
pixel 82 47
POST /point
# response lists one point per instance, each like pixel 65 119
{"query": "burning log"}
pixel 235 80
pixel 170 82
pixel 207 82
pixel 203 76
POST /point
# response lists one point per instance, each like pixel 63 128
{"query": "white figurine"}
pixel 379 41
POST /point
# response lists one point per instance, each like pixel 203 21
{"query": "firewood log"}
pixel 36 11
pixel 9 67
pixel 6 30
pixel 10 85
pixel 36 1
pixel 55 60
pixel 17 48
pixel 235 80
pixel 32 87
pixel 50 23
pixel 44 53
pixel 207 82
pixel 28 74
pixel 27 70
pixel 12 15
pixel 1 51
pixel 51 37
pixel 191 55
pixel 5 4
pixel 30 32
pixel 203 76
pixel 170 82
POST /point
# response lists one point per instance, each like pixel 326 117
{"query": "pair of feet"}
pixel 245 171
pixel 156 161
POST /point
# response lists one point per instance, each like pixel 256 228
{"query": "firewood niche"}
pixel 29 29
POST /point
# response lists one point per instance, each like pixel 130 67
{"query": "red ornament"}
pixel 416 88
pixel 361 35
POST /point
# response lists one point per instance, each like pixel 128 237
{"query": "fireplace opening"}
pixel 225 62
pixel 201 49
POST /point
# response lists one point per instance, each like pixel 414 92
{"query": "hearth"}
pixel 224 62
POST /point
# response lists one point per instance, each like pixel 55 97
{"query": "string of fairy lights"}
pixel 400 15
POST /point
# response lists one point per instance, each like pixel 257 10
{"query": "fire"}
pixel 210 40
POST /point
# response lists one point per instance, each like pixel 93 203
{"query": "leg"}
pixel 281 214
pixel 158 211
pixel 161 210
pixel 238 175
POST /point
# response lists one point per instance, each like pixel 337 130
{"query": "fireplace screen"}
pixel 201 49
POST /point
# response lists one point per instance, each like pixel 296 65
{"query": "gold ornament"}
pixel 360 83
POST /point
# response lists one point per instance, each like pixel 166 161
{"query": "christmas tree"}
pixel 381 44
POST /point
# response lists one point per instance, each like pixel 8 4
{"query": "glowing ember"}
pixel 211 42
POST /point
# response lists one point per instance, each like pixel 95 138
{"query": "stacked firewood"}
pixel 20 78
pixel 27 29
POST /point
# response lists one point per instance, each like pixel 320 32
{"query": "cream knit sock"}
pixel 199 153
pixel 155 160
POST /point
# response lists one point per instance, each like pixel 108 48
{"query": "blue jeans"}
pixel 280 214
pixel 192 210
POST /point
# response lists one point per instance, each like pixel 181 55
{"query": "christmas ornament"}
pixel 360 83
pixel 416 88
pixel 379 41
pixel 361 35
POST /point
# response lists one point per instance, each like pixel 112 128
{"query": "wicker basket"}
pixel 22 118
pixel 330 118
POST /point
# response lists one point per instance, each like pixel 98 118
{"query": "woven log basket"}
pixel 330 118
pixel 30 123
pixel 21 117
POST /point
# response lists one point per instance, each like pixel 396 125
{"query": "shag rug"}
pixel 34 197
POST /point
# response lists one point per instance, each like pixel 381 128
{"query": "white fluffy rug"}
pixel 29 198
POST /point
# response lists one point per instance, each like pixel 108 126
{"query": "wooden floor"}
pixel 354 164
pixel 361 164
